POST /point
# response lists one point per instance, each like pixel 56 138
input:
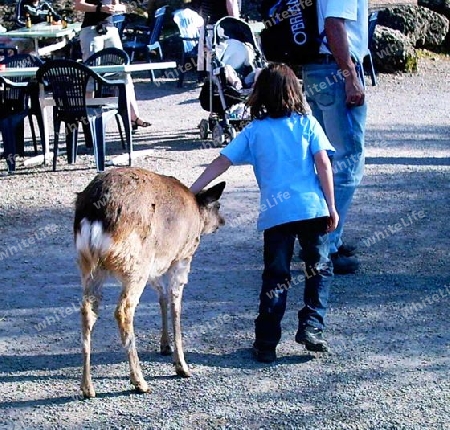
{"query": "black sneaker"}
pixel 347 250
pixel 264 355
pixel 312 338
pixel 343 265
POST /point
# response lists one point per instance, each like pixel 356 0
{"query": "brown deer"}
pixel 143 228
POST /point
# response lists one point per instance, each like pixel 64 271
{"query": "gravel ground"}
pixel 387 325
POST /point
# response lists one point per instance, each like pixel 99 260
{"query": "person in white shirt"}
pixel 189 23
pixel 334 88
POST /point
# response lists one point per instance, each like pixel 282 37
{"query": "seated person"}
pixel 38 11
pixel 189 23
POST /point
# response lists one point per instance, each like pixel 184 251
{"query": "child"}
pixel 288 151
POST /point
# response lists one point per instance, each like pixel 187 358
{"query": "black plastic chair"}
pixel 106 57
pixel 22 61
pixel 13 110
pixel 120 22
pixel 19 14
pixel 146 39
pixel 68 81
pixel 7 51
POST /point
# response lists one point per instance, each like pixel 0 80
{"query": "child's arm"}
pixel 325 173
pixel 215 169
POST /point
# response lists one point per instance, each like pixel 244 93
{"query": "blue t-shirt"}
pixel 281 151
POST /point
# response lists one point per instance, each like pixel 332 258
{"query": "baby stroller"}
pixel 232 58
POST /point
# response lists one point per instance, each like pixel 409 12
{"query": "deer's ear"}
pixel 210 195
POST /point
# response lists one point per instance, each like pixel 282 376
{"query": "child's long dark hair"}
pixel 276 93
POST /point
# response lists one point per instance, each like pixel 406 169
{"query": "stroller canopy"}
pixel 234 28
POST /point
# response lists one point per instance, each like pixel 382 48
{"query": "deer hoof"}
pixel 141 387
pixel 165 350
pixel 182 371
pixel 88 391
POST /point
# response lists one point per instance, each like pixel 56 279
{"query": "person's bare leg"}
pixel 112 40
pixel 134 110
pixel 131 95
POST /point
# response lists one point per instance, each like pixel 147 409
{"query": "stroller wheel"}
pixel 204 129
pixel 218 135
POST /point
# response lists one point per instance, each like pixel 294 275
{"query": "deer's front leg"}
pixel 161 286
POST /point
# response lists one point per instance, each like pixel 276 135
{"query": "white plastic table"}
pixel 46 31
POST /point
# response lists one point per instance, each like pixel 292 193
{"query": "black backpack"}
pixel 291 33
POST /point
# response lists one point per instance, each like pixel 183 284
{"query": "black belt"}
pixel 324 59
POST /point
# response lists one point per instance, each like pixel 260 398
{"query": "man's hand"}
pixel 338 44
pixel 354 91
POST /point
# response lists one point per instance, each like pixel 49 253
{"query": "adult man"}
pixel 334 88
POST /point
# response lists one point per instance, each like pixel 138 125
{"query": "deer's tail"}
pixel 91 243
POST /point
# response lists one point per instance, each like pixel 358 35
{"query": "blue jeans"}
pixel 325 92
pixel 276 278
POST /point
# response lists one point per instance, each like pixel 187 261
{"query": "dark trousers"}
pixel 276 278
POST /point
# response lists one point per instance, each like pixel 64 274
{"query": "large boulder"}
pixel 424 27
pixel 439 6
pixel 393 51
pixel 442 7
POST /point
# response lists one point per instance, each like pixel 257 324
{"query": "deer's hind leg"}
pixel 178 277
pixel 161 286
pixel 92 293
pixel 133 286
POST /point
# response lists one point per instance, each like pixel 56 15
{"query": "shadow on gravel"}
pixel 241 359
pixel 63 400
pixel 160 89
pixel 406 137
pixel 61 169
pixel 52 401
pixel 183 142
pixel 50 362
pixel 409 161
